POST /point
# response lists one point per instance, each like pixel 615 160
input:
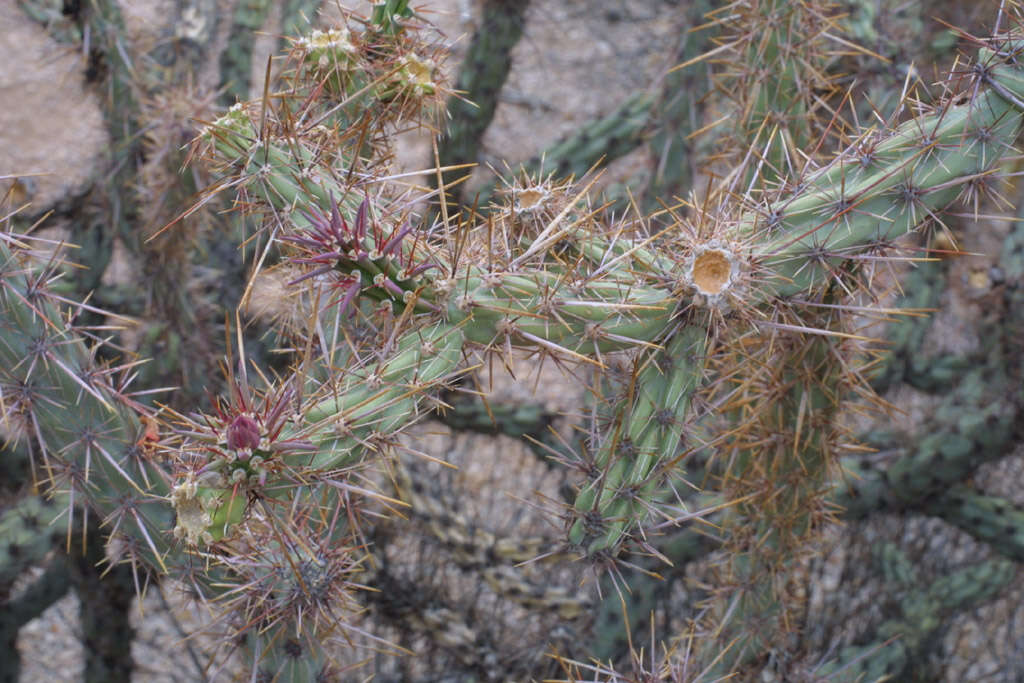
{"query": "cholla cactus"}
pixel 731 318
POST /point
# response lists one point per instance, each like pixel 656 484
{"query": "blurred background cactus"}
pixel 342 364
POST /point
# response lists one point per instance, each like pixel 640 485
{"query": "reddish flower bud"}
pixel 243 432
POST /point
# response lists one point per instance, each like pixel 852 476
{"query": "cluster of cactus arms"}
pixel 719 340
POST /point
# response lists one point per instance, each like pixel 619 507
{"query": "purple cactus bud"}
pixel 243 432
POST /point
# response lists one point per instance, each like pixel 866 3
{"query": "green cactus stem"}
pixel 878 190
pixel 481 78
pixel 973 424
pixel 776 468
pixel 625 617
pixel 248 19
pixel 976 421
pixel 249 447
pixel 90 438
pixel 899 643
pixel 519 419
pixel 631 462
pixel 901 360
pixel 775 80
pixel 569 287
pixel 886 183
pixel 597 142
pixel 992 519
pixel 277 654
pixel 674 114
pixel 29 530
pixel 663 119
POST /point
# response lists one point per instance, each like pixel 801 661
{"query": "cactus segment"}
pixel 883 187
pixel 388 16
pixel 776 82
pixel 287 176
pixel 631 462
pixel 540 310
pixel 90 439
pixel 924 610
pixel 992 519
pixel 384 400
pixel 902 360
pixel 235 61
pixel 483 74
pixel 848 206
pixel 279 654
pixel 604 314
pixel 974 424
pixel 364 407
pixel 28 531
pixel 605 140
